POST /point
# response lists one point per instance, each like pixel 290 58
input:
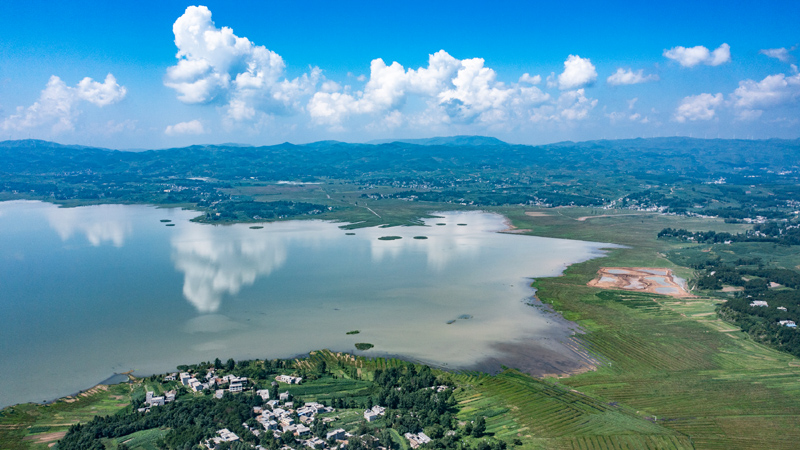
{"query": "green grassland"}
pixel 32 426
pixel 672 360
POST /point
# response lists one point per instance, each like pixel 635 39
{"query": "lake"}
pixel 91 291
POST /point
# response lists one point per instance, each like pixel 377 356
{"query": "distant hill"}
pixel 650 161
pixel 445 140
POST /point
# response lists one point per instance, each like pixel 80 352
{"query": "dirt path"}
pixel 584 218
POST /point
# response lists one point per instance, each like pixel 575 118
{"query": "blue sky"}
pixel 163 74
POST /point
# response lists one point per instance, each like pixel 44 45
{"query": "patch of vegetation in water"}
pixel 350 234
pixel 364 345
pixel 421 237
pixel 166 220
pixel 449 322
pixel 441 224
pixel 462 224
pixel 170 224
pixel 389 238
pixel 465 317
pixel 256 227
pixel 354 332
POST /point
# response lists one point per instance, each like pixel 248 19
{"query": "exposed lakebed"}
pixel 90 291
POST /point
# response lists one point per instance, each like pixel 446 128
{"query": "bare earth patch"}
pixel 653 280
pixel 536 214
pixel 732 288
pixel 45 437
pixel 512 229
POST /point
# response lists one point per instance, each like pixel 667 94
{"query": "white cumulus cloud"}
pixel 782 54
pixel 570 106
pixel 751 98
pixel 190 127
pixel 628 76
pixel 58 104
pixel 692 56
pixel 578 72
pixel 574 105
pixel 527 78
pixel 216 66
pixel 698 107
pixel 455 90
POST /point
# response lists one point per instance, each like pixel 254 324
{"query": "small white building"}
pixel 263 393
pixel 761 303
pixel 288 379
pixel 337 434
pixel 315 443
pixel 225 435
pixel 417 439
pixel 374 413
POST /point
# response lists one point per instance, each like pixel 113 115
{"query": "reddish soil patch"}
pixel 654 280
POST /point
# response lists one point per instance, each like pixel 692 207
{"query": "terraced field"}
pixel 675 361
pixel 544 414
pixel 32 426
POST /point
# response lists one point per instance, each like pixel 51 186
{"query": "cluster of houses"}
pixel 233 383
pixel 373 413
pixel 225 435
pixel 288 379
pixel 783 323
pixel 276 415
pixel 151 400
pixel 415 440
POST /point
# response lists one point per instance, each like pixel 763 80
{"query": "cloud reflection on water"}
pixel 100 224
pixel 219 261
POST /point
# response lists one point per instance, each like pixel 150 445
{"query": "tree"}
pixel 479 428
pixel 273 393
pixel 217 364
pixel 230 365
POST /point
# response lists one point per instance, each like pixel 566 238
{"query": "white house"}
pixel 263 393
pixel 337 434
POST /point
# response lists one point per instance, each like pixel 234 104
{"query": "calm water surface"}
pixel 87 292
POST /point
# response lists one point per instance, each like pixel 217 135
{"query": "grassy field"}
pixel 669 359
pixel 35 427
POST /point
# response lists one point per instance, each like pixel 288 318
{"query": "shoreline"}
pixel 551 353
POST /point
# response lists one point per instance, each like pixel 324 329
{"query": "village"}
pixel 279 416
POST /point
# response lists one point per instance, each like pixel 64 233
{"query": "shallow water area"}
pixel 93 291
